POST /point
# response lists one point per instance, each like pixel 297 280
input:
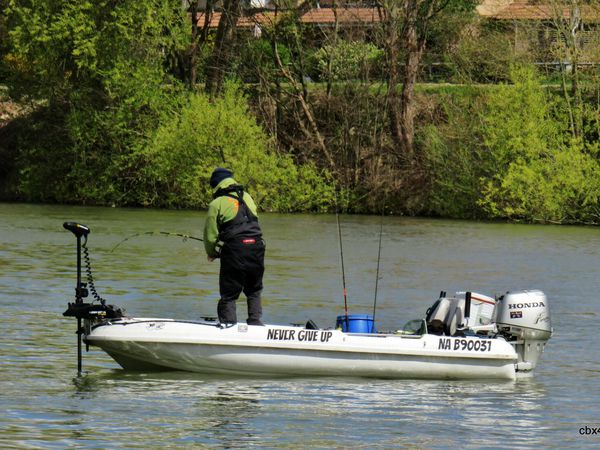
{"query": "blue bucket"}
pixel 356 323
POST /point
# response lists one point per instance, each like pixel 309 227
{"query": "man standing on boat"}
pixel 233 221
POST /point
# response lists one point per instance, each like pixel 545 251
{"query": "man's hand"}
pixel 210 258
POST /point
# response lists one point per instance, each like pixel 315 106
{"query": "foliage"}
pixel 483 55
pixel 99 69
pixel 114 125
pixel 178 162
pixel 538 174
pixel 455 160
pixel 3 39
pixel 347 60
pixel 73 51
pixel 257 60
pixel 448 30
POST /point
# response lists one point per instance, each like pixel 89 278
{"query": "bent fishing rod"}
pixel 154 233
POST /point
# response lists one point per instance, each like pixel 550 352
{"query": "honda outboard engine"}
pixel 524 319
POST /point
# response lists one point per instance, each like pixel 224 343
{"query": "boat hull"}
pixel 157 344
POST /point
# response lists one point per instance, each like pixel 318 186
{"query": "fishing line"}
pixel 153 233
pixel 378 257
pixel 337 218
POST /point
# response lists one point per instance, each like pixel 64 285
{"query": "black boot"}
pixel 254 310
pixel 226 311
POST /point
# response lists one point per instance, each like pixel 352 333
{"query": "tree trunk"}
pixel 194 45
pixel 405 27
pixel 197 40
pixel 568 28
pixel 414 50
pixel 392 53
pixel 220 58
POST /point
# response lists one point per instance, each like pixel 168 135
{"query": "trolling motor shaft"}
pixel 79 309
pixel 89 312
pixel 78 230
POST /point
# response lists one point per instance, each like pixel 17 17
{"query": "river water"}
pixel 44 404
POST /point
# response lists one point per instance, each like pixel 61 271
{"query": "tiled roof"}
pixel 314 16
pixel 259 18
pixel 492 9
pixel 344 15
pixel 522 10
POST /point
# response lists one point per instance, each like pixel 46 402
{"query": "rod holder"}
pixel 467 305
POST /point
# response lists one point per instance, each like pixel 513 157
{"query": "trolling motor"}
pixel 89 312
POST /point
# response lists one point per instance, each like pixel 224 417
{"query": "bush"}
pixel 454 157
pixel 176 166
pixel 539 175
pixel 483 55
pixel 349 60
pixel 257 61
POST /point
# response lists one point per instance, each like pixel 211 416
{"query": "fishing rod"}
pixel 153 233
pixel 337 218
pixel 378 258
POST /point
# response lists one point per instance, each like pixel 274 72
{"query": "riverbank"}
pixel 481 152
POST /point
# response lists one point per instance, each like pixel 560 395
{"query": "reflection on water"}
pixel 45 405
pixel 239 412
pixel 189 408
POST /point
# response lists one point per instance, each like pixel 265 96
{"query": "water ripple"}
pixel 46 406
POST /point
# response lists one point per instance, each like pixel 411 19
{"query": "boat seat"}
pixel 446 316
pixel 432 309
pixel 455 316
pixel 436 327
pixel 437 315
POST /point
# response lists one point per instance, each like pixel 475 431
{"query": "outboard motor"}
pixel 524 319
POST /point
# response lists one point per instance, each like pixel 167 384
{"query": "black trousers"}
pixel 242 269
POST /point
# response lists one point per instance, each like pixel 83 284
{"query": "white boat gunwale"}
pixel 350 347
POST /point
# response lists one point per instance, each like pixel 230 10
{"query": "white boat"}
pixel 466 336
pixel 151 344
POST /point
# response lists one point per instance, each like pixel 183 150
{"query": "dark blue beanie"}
pixel 218 175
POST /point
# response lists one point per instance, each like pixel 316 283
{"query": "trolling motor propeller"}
pixel 89 312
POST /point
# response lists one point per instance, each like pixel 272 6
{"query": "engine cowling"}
pixel 524 318
pixel 524 315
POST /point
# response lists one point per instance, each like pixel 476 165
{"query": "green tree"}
pixel 100 70
pixel 4 48
pixel 538 175
pixel 406 27
pixel 205 134
pixel 347 60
